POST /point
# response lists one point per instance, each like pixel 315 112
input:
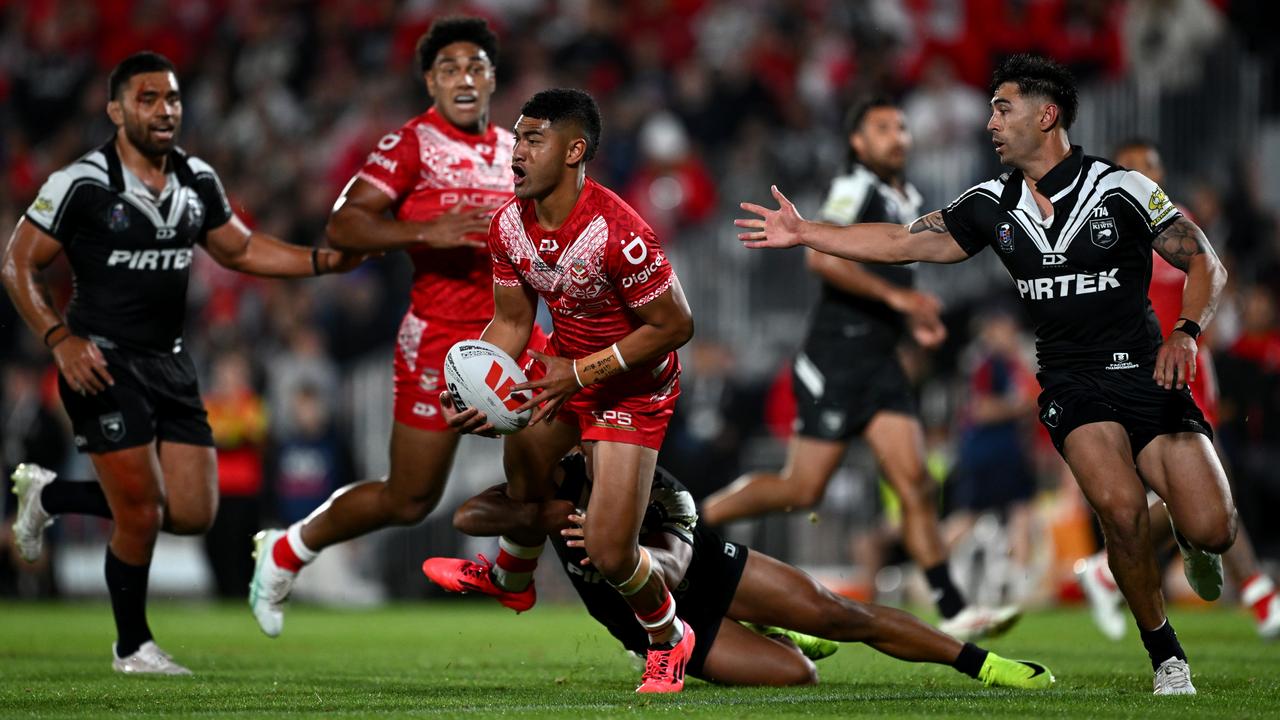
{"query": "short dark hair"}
pixel 560 105
pixel 858 113
pixel 449 30
pixel 1040 76
pixel 136 64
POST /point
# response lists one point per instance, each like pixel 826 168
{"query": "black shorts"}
pixel 838 391
pixel 704 596
pixel 1130 397
pixel 155 396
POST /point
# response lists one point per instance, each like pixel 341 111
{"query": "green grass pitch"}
pixel 470 659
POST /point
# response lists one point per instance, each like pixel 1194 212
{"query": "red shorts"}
pixel 419 366
pixel 612 415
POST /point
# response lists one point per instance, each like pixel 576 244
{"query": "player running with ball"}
pixel 618 315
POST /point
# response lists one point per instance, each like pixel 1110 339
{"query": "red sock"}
pixel 513 570
pixel 284 556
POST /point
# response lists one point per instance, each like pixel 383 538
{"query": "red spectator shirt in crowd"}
pixel 428 167
pixel 603 262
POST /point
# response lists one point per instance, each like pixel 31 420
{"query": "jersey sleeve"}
pixel 671 506
pixel 208 186
pixel 638 267
pixel 52 210
pixel 393 165
pixel 504 269
pixel 848 199
pixel 1154 210
pixel 960 218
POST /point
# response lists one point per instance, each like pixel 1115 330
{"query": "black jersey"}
pixel 130 249
pixel 671 510
pixel 862 197
pixel 1083 273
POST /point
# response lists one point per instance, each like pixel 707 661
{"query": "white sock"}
pixel 294 536
pixel 513 570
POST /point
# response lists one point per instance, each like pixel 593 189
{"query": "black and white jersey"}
pixel 671 510
pixel 130 249
pixel 1083 273
pixel 862 197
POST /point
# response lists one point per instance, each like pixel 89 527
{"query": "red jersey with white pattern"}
pixel 429 166
pixel 600 265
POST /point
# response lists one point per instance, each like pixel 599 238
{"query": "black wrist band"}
pixel 50 331
pixel 1190 327
pixel 315 261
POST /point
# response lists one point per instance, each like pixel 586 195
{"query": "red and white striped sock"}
pixel 661 624
pixel 513 570
pixel 290 552
pixel 1256 593
pixel 1103 572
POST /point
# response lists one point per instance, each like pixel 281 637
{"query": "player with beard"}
pixel 849 381
pixel 619 315
pixel 128 216
pixel 723 585
pixel 428 189
pixel 1075 233
pixel 1257 591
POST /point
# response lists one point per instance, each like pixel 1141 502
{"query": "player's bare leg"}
pixel 800 484
pixel 742 657
pixel 1101 460
pixel 774 593
pixel 190 487
pixel 132 481
pixel 1183 469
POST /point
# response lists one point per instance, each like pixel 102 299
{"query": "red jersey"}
pixel 429 166
pixel 599 265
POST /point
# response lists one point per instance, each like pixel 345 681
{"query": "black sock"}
pixel 1162 644
pixel 970 661
pixel 77 497
pixel 128 587
pixel 948 597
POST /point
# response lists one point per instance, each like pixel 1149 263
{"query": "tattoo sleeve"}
pixel 932 223
pixel 1180 242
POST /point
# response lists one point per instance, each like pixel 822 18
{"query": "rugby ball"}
pixel 480 375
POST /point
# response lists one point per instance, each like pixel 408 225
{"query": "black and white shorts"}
pixel 838 391
pixel 155 396
pixel 1129 397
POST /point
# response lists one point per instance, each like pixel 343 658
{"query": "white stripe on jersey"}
pixel 51 201
pixel 1092 197
pixel 848 197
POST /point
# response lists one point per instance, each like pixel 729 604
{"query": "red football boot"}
pixel 464 576
pixel 664 669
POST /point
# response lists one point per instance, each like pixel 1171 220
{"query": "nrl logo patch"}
pixel 42 205
pixel 118 218
pixel 1103 232
pixel 112 425
pixel 1004 237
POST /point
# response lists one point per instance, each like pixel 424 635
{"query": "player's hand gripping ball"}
pixel 480 375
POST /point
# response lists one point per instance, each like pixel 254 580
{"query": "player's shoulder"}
pixel 849 195
pixel 622 219
pixel 199 168
pixel 987 192
pixel 89 168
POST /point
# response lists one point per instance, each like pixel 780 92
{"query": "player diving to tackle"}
pixel 720 584
pixel 1075 233
pixel 618 315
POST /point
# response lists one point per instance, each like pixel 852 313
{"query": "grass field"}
pixel 461 659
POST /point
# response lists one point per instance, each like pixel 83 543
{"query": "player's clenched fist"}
pixel 1176 361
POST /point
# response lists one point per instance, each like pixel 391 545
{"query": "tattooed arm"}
pixel 924 240
pixel 1185 247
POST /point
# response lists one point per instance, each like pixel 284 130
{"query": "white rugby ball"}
pixel 480 375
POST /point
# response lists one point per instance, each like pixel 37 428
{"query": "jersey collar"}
pixel 1053 185
pixel 488 137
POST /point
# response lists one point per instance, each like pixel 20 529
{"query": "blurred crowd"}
pixel 705 103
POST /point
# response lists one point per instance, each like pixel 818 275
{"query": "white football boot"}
pixel 1105 599
pixel 975 622
pixel 30 521
pixel 1203 569
pixel 148 659
pixel 1173 677
pixel 270 585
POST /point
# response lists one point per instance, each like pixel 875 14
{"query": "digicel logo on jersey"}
pixel 1067 285
pixel 173 259
pixel 639 278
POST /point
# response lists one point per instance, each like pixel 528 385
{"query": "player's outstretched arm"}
pixel 493 513
pixel 924 240
pixel 30 250
pixel 921 309
pixel 234 246
pixel 1185 247
pixel 359 223
pixel 670 555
